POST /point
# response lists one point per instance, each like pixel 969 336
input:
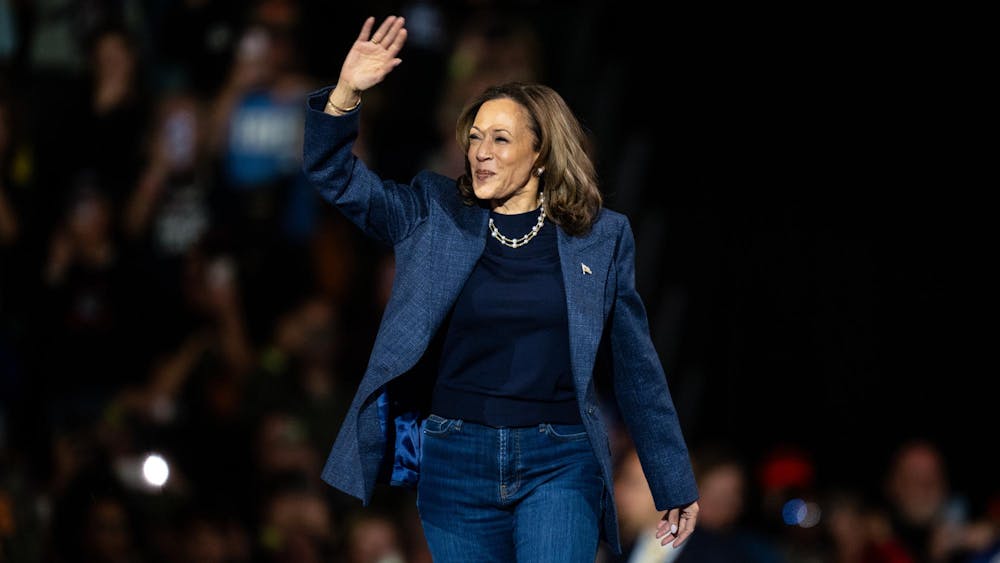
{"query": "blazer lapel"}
pixel 461 246
pixel 461 251
pixel 450 257
pixel 586 262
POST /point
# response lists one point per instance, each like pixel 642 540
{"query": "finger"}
pixel 366 29
pixel 681 538
pixel 663 526
pixel 383 29
pixel 390 35
pixel 668 537
pixel 668 528
pixel 397 45
pixel 687 526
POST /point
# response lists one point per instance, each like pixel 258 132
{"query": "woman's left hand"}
pixel 677 524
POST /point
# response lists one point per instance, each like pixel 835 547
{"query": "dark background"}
pixel 805 186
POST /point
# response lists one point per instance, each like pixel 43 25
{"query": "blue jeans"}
pixel 527 494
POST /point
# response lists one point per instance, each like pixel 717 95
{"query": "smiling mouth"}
pixel 484 174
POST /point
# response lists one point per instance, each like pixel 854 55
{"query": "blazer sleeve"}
pixel 385 210
pixel 641 391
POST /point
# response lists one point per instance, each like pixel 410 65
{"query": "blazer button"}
pixel 590 409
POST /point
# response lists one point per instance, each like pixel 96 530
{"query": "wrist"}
pixel 337 110
pixel 344 98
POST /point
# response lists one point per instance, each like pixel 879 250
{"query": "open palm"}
pixel 373 55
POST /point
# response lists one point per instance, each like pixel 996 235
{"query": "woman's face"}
pixel 501 151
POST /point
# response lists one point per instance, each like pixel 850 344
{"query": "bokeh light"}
pixel 155 470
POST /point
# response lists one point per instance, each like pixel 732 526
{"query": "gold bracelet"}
pixel 330 103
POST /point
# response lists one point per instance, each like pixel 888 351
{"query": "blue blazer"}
pixel 437 241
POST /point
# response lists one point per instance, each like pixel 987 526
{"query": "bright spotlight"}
pixel 155 470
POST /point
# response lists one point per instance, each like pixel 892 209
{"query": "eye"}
pixel 474 136
pixel 501 139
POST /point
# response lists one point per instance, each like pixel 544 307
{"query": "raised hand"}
pixel 373 55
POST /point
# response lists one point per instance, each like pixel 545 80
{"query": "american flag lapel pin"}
pixel 586 269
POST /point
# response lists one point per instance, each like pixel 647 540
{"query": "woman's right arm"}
pixel 382 209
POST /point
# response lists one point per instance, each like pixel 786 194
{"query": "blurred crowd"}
pixel 183 321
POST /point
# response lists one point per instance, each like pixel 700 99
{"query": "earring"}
pixel 539 171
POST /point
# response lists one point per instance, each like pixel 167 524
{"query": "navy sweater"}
pixel 505 356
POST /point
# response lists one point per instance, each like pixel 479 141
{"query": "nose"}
pixel 484 151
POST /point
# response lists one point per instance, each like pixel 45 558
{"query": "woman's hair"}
pixel 569 182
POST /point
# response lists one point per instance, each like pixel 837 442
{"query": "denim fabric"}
pixel 529 493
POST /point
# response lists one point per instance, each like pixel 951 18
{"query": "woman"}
pixel 508 283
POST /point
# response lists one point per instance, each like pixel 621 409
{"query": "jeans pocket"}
pixel 438 425
pixel 566 432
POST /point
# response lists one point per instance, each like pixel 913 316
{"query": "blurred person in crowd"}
pixel 414 541
pixel 8 218
pixel 932 523
pixel 719 537
pixel 21 530
pixel 169 201
pixel 783 473
pixel 297 526
pixel 107 534
pixel 109 132
pixel 85 235
pixel 195 40
pixel 860 533
pixel 201 540
pixel 218 336
pixel 59 28
pixel 503 47
pixel 168 212
pixel 789 508
pixel 512 272
pixel 94 522
pixel 211 538
pixel 372 538
pixel 92 122
pixel 8 34
pixel 488 51
pixel 991 554
pixel 193 394
pixel 637 515
pixel 264 200
pixel 11 271
pixel 283 447
pixel 300 371
pixel 87 316
pixel 255 115
pixel 279 14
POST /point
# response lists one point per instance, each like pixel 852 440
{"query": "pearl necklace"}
pixel 521 241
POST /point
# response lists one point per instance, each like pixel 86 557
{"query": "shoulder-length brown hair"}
pixel 569 181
